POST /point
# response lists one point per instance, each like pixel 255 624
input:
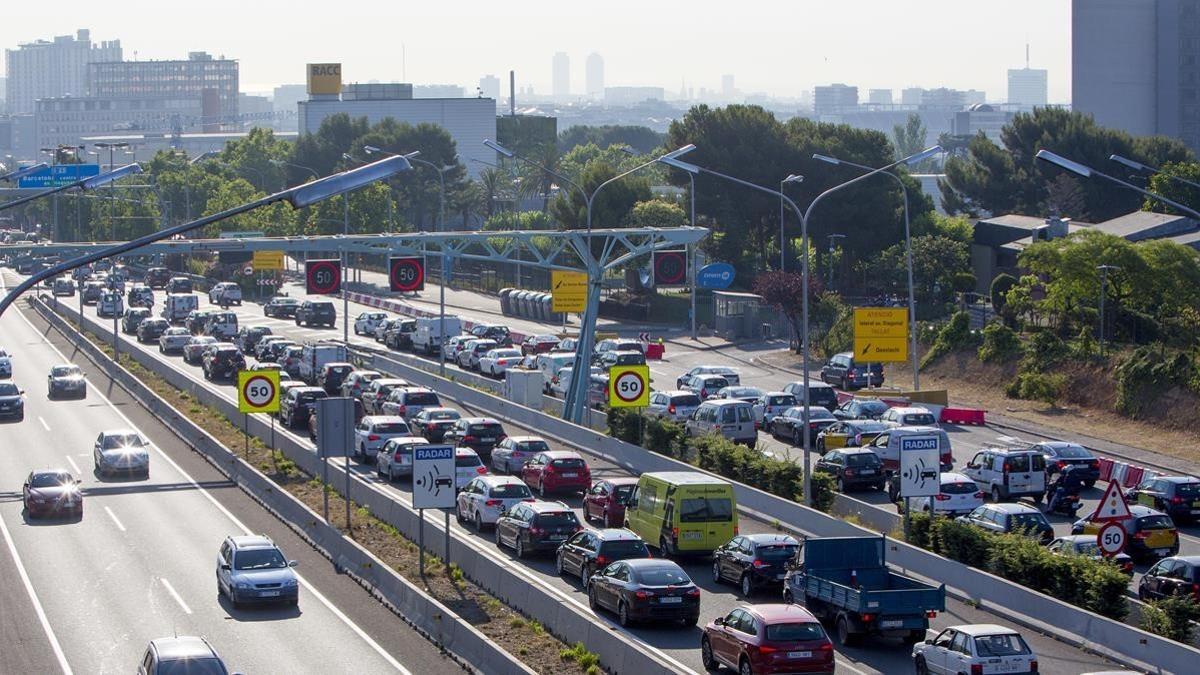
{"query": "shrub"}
pixel 955 335
pixel 958 541
pixel 1043 351
pixel 1170 617
pixel 665 437
pixel 1000 343
pixel 1001 285
pixel 623 425
pixel 1037 387
pixel 1148 372
pixel 749 466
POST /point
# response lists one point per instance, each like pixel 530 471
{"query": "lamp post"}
pixel 1103 294
pixel 112 191
pixel 1138 166
pixel 832 238
pixel 1088 172
pixel 804 215
pixel 792 178
pixel 908 262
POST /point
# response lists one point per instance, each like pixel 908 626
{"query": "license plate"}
pixel 868 472
pixel 692 535
pixel 269 594
pixel 1162 551
pixel 799 655
pixel 670 600
pixel 570 475
pixel 779 577
pixel 894 623
pixel 557 537
pixel 487 439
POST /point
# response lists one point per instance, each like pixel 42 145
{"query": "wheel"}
pixel 841 485
pixel 846 637
pixel 666 548
pixel 716 572
pixel 796 439
pixel 558 565
pixel 592 601
pixel 995 494
pixel 922 669
pixel 821 445
pixel 1090 483
pixel 458 516
pixel 623 614
pixel 706 657
pixel 744 667
pixel 585 575
pixel 478 522
pixel 608 518
pixel 747 585
pixel 499 541
pixel 519 548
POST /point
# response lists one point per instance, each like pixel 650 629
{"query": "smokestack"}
pixel 512 93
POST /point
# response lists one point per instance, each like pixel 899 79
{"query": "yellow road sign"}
pixel 880 322
pixel 258 391
pixel 628 386
pixel 568 291
pixel 268 260
pixel 881 350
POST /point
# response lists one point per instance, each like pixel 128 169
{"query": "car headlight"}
pixel 290 583
pixel 241 585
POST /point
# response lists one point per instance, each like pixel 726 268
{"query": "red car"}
pixel 538 344
pixel 605 502
pixel 764 639
pixel 557 471
pixel 52 492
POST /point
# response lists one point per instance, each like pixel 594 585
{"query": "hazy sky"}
pixel 780 47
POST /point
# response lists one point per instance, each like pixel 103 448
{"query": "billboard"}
pixel 59 175
pixel 325 78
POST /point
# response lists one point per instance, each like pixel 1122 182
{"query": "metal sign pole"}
pixel 447 532
pixel 421 540
pixel 324 482
pixel 246 432
pixel 348 528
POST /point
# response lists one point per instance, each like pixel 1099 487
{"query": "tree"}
pixel 641 139
pixel 609 208
pixel 495 185
pixel 257 157
pixel 656 213
pixel 322 151
pixel 909 138
pixel 784 291
pixel 1161 183
pixel 938 261
pixel 1064 197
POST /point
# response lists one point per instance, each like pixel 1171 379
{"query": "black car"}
pixel 791 423
pixel 645 590
pixel 480 434
pixel 860 409
pixel 493 332
pixel 1060 454
pixel 298 405
pixel 133 317
pixel 157 277
pixel 331 376
pixel 1007 518
pixel 819 393
pixel 281 307
pixel 399 334
pixel 179 285
pixel 12 401
pixel 1176 496
pixel 151 329
pixel 196 320
pixel 852 467
pixel 248 337
pixel 754 561
pixel 222 362
pixel 1174 576
pixel 535 527
pixel 846 373
pixel 316 312
pixel 591 550
pixel 433 423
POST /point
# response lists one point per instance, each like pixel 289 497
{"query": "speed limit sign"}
pixel 258 391
pixel 628 386
pixel 1111 538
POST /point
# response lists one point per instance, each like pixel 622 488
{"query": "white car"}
pixel 957 496
pixel 453 344
pixel 194 348
pixel 732 377
pixel 367 322
pixel 372 431
pixel 174 340
pixel 467 467
pixel 110 304
pixel 496 361
pixel 982 649
pixel 486 498
pixel 914 416
pixel 121 450
pixel 676 405
pixel 5 364
pixel 225 293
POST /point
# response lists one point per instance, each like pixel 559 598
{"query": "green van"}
pixel 682 512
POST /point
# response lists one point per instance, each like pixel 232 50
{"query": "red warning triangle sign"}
pixel 1112 506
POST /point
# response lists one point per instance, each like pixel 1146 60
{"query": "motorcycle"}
pixel 1067 503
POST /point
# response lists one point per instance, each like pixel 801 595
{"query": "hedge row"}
pixel 1098 586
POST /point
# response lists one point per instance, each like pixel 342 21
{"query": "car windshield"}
pixel 663 576
pixel 959 488
pixel 919 419
pixel 1158 522
pixel 817 414
pixel 123 441
pixel 511 491
pixel 624 548
pixel 391 428
pixel 705 509
pixel 1027 521
pixel 64 371
pixel 44 480
pixel 1087 547
pixel 421 398
pixel 467 460
pixel 1009 644
pixel 557 519
pixel 205 665
pixel 788 400
pixel 795 632
pixel 862 459
pixel 260 559
pixel 1187 489
pixel 776 551
pixel 1072 452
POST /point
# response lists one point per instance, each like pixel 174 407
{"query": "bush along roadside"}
pixel 1097 586
pixel 721 456
pixel 1171 618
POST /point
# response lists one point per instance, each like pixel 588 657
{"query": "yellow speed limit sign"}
pixel 258 391
pixel 628 386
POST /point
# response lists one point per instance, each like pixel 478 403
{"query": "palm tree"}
pixel 491 182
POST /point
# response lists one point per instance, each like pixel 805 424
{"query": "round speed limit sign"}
pixel 629 386
pixel 1111 538
pixel 258 391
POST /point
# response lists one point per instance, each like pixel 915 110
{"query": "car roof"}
pixel 465 452
pixel 1189 559
pixel 544 506
pixel 248 541
pixel 686 477
pixel 117 432
pixel 766 538
pixel 977 629
pixel 726 402
pixel 492 480
pixel 620 480
pixel 652 563
pixel 616 534
pixel 1178 480
pixel 1059 444
pixel 1008 507
pixel 42 472
pixel 382 419
pixel 779 612
pixel 516 439
pixel 181 647
pixel 922 429
pixel 954 477
pixel 1076 538
pixel 1140 511
pixel 677 392
pixel 562 454
pixel 911 409
pixel 856 451
pixel 480 420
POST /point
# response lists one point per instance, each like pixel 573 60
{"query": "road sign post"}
pixel 880 335
pixel 433 487
pixel 568 291
pixel 628 386
pixel 258 391
pixel 335 431
pixel 920 471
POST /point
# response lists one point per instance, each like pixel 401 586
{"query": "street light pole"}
pixel 1088 172
pixel 792 178
pixel 832 238
pixel 692 257
pixel 1103 294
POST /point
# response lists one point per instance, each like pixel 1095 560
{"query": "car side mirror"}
pixel 719 621
pixel 293 563
pixel 929 642
pixel 631 503
pixel 225 567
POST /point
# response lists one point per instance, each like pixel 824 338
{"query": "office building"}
pixel 628 96
pixel 911 96
pixel 3 95
pixel 437 91
pixel 489 87
pixel 834 99
pixel 213 81
pixel 980 117
pixel 595 76
pixel 1027 86
pixel 469 121
pixel 560 87
pixel 727 89
pixel 53 68
pixel 1134 65
pixel 283 102
pixel 255 105
pixel 67 120
pixel 879 96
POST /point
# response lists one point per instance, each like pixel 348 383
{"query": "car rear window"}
pixel 392 428
pixel 1156 523
pixel 1026 521
pixel 782 400
pixel 465 460
pixel 1009 644
pixel 690 399
pixel 795 632
pixel 919 419
pixel 511 491
pixel 309 396
pixel 1072 452
pixel 421 398
pixel 623 491
pixel 1187 489
pixel 959 488
pixel 534 446
pixel 705 509
pixel 442 415
pixel 569 464
pixel 557 519
pixel 192 666
pixel 485 429
pixel 663 576
pixel 862 459
pixel 625 548
pixel 776 551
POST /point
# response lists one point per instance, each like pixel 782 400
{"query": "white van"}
pixel 178 306
pixel 222 325
pixel 432 333
pixel 1008 473
pixel 887 445
pixel 110 304
pixel 731 418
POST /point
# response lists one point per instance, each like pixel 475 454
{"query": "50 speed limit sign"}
pixel 1111 538
pixel 258 391
pixel 628 386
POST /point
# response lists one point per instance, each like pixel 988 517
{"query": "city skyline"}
pixel 761 45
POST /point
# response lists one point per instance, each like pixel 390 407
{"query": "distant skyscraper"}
pixel 560 87
pixel 489 86
pixel 45 69
pixel 727 90
pixel 912 96
pixel 879 96
pixel 213 81
pixel 595 76
pixel 834 99
pixel 1027 86
pixel 1134 65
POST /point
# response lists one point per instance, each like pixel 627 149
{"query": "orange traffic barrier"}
pixel 963 416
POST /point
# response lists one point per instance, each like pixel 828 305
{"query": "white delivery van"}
pixel 432 332
pixel 178 306
pixel 315 355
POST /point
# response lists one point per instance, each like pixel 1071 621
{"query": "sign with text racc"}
pixel 880 334
pixel 325 78
pixel 322 277
pixel 58 175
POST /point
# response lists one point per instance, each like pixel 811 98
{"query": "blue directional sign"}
pixel 58 176
pixel 715 275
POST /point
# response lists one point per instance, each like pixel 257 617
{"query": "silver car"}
pixel 676 406
pixel 395 457
pixel 121 450
pixel 174 340
pixel 253 569
pixel 67 379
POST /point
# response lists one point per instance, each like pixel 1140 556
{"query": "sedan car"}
pixel 281 307
pixel 66 379
pixel 1060 454
pixel 432 423
pixel 12 401
pixel 481 434
pixel 173 340
pixel 557 471
pixel 496 361
pixel 181 654
pixel 979 648
pixel 395 458
pixel 675 406
pixel 485 498
pixel 747 394
pixel 121 451
pixel 1086 545
pixel 539 344
pixel 754 561
pixel 852 467
pixel 193 351
pixel 770 404
pixel 606 500
pixel 1008 518
pixel 252 569
pixel 791 423
pixel 357 381
pixel 957 495
pixel 913 416
pixel 850 433
pixel 536 527
pixel 773 638
pixel 367 322
pixel 1176 496
pixel 51 492
pixel 645 590
pixel 510 454
pixel 732 376
pixel 590 550
pixel 150 330
pixel 372 431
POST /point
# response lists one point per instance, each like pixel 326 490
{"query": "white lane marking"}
pixel 37 604
pixel 175 594
pixel 846 666
pixel 74 465
pixel 114 518
pixel 44 425
pixel 221 507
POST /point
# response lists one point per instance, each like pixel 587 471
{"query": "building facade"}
pixel 560 87
pixel 53 68
pixel 68 120
pixel 594 76
pixel 834 99
pixel 879 96
pixel 489 87
pixel 1027 87
pixel 200 76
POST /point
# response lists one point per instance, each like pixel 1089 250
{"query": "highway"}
pixel 678 644
pixel 87 596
